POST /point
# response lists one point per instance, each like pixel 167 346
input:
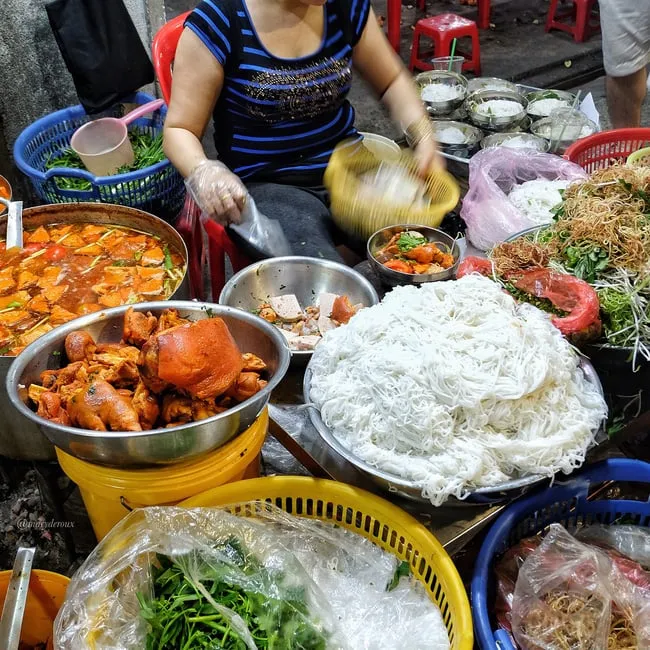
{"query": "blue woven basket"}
pixel 158 189
pixel 565 504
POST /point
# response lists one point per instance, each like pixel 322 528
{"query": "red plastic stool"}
pixel 442 30
pixel 579 25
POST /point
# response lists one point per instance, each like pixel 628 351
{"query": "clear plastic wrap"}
pixel 630 541
pixel 217 191
pixel 264 234
pixel 306 584
pixel 572 596
pixel 490 217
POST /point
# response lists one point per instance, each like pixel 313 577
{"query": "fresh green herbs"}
pixel 586 261
pixel 182 616
pixel 409 240
pixel 401 571
pixel 147 150
pixel 168 263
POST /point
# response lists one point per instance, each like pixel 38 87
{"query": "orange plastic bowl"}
pixel 44 599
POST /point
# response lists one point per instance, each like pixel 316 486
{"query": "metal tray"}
pixel 409 489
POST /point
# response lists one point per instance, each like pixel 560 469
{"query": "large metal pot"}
pixel 20 438
pixel 160 446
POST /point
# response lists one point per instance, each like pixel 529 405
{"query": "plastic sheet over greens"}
pixel 330 567
pixel 493 173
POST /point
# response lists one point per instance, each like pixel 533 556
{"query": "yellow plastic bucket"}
pixel 109 494
pixel 44 599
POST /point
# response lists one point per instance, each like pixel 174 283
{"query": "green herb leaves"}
pixel 409 240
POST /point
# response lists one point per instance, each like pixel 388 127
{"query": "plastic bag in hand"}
pixel 263 234
pixel 217 191
pixel 490 217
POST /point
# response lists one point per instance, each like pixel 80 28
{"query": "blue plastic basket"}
pixel 158 189
pixel 564 503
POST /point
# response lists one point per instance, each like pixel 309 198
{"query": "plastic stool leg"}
pixel 476 52
pixel 582 19
pixel 422 5
pixel 551 15
pixel 484 14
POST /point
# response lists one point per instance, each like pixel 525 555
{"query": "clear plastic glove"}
pixel 219 193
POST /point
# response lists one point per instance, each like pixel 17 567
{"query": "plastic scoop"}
pixel 104 146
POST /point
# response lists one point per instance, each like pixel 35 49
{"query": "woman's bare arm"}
pixel 197 83
pixel 380 66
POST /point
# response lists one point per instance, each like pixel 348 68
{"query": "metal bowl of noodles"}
pixel 457 138
pixel 496 110
pixel 542 103
pixel 161 446
pixel 515 141
pixel 441 92
pixel 392 278
pixel 563 128
pixel 396 485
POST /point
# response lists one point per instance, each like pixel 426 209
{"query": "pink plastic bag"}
pixel 493 173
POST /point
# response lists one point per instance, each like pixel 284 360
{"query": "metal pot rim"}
pixel 59 333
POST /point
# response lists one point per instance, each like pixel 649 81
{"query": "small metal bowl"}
pixel 550 130
pixel 451 79
pixel 392 278
pixel 7 194
pixel 305 277
pixel 466 149
pixel 494 122
pixel 565 97
pixel 490 83
pixel 132 449
pixel 502 139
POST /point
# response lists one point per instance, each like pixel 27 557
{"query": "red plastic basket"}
pixel 601 150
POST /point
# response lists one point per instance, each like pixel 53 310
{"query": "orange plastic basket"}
pixel 601 150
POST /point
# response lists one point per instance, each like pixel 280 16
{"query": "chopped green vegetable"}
pixel 13 304
pixel 121 263
pixel 403 569
pixel 147 150
pixel 168 264
pixel 409 240
pixel 181 616
pixel 5 349
pixel 137 256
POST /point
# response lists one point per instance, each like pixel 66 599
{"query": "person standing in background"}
pixel 625 27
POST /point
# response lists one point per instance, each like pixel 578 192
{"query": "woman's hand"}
pixel 428 156
pixel 217 191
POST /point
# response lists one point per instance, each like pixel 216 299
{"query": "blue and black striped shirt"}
pixel 279 119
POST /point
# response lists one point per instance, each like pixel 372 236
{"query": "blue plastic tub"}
pixel 158 189
pixel 566 504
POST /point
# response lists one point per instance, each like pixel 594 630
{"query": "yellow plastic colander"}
pixel 365 514
pixel 361 213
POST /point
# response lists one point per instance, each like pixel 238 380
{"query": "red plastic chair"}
pixel 163 51
pixel 575 21
pixel 442 30
pixel 483 7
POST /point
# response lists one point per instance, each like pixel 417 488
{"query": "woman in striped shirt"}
pixel 274 75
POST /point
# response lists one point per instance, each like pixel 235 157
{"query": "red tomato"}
pixel 398 265
pixel 474 265
pixel 55 253
pixel 32 248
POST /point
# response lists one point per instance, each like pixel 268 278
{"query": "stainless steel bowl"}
pixel 20 438
pixel 6 186
pixel 396 278
pixel 490 83
pixel 495 122
pixel 538 95
pixel 466 149
pixel 306 277
pixel 444 78
pixel 160 446
pixel 501 139
pixel 559 137
pixel 394 484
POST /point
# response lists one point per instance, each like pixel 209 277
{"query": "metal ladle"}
pixel 14 223
pixel 13 611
